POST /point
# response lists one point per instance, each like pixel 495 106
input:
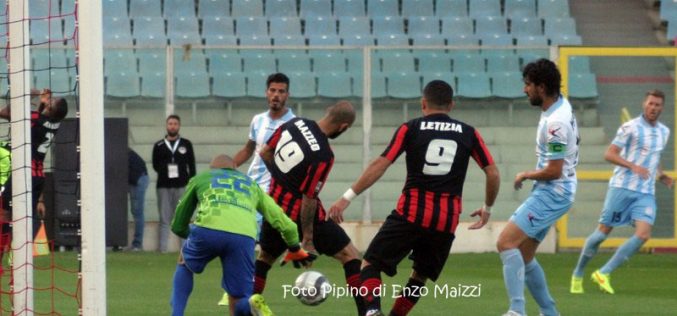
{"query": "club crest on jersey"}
pixel 441 126
pixel 308 135
pixel 182 150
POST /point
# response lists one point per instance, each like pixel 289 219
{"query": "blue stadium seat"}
pixel 497 40
pixel 117 31
pixel 149 31
pixel 404 85
pixel 358 40
pixel 223 61
pixel 67 6
pixel 242 8
pixel 328 62
pixel 217 25
pixel 255 40
pixel 354 25
pixel 183 30
pixel 386 25
pixel 192 85
pixel 289 40
pixel 668 10
pixel 532 44
pixel 115 60
pixel 196 62
pixel 423 25
pixel 251 25
pixel 229 84
pixel 57 80
pixel 113 38
pixel 293 63
pixel 378 86
pixel 502 63
pixel 264 63
pixel 561 25
pixel 115 8
pixel 153 84
pixel 304 85
pixel 553 8
pixel 320 25
pixel 123 84
pixel 382 8
pixel 141 8
pixel 450 8
pixel 256 84
pixel 490 25
pixel 334 85
pixel 286 25
pixel 324 40
pixel 220 40
pixel 47 31
pixel 151 61
pixel 179 8
pixel 397 61
pixel 483 8
pixel 314 8
pixel 563 39
pixel 444 76
pixel 349 8
pixel 213 8
pixel 579 64
pixel 433 62
pixel 473 85
pixel 526 27
pixel 520 9
pixel 280 8
pixel 583 86
pixel 490 51
pixel 417 8
pixel 428 40
pixel 469 63
pixel 392 40
pixel 454 26
pixel 43 8
pixel 507 85
pixel 462 40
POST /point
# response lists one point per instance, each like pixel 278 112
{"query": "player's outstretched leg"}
pixel 408 298
pixel 535 280
pixel 183 286
pixel 623 253
pixel 371 282
pixel 351 270
pixel 513 276
pixel 260 276
pixel 589 250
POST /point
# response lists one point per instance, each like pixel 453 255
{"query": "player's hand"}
pixel 45 95
pixel 336 210
pixel 483 220
pixel 519 178
pixel 299 257
pixel 667 180
pixel 640 171
pixel 40 207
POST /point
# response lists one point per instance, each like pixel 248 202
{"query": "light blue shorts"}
pixel 624 207
pixel 539 211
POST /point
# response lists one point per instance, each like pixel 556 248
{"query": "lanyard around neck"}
pixel 176 145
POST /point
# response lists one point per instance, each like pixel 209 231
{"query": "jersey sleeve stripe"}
pixel 395 148
pixel 272 142
pixel 481 153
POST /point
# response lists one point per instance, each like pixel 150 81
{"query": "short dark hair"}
pixel 278 78
pixel 545 72
pixel 656 93
pixel 60 109
pixel 173 116
pixel 438 94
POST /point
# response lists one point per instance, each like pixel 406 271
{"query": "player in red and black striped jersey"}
pixel 299 159
pixel 438 149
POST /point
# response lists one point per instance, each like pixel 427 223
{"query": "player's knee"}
pixel 503 244
pixel 643 236
pixel 604 229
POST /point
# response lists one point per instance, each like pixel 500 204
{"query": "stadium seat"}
pixel 117 31
pixel 213 8
pixel 179 8
pixel 392 40
pixel 153 84
pixel 314 8
pixel 349 8
pixel 579 64
pixel 404 85
pixel 115 8
pixel 256 84
pixel 251 25
pixel 497 40
pixel 532 41
pixel 507 85
pixel 561 25
pixel 357 25
pixel 220 40
pixel 334 85
pixel 183 30
pixel 427 77
pixel 451 8
pixel 455 26
pixel 67 6
pixel 386 25
pixel 281 8
pixel 151 61
pixel 462 40
pixel 668 10
pixel 324 40
pixel 196 62
pixel 583 86
pixel 43 8
pixel 469 63
pixel 123 84
pixel 520 9
pixel 358 40
pixel 563 39
pixel 320 25
pixel 376 8
pixel 417 8
pixel 526 27
pixel 264 63
pixel 192 85
pixel 145 8
pixel 304 85
pixel 553 8
pixel 328 62
pixel 423 25
pixel 293 63
pixel 484 8
pixel 229 84
pixel 224 61
pixel 428 40
pixel 58 80
pixel 490 25
pixel 217 25
pixel 378 86
pixel 115 60
pixel 49 30
pixel 112 38
pixel 286 25
pixel 289 40
pixel 473 85
pixel 243 8
pixel 149 31
pixel 397 61
pixel 502 63
pixel 255 40
pixel 433 62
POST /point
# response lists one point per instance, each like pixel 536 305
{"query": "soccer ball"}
pixel 311 288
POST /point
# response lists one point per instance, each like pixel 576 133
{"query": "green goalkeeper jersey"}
pixel 227 200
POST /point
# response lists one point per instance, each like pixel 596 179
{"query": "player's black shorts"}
pixel 397 237
pixel 328 237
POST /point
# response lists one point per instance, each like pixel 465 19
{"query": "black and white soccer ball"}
pixel 312 288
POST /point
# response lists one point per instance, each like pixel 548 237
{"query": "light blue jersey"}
pixel 260 130
pixel 557 138
pixel 641 144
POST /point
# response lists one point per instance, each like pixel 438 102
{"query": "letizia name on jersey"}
pixel 441 126
pixel 310 138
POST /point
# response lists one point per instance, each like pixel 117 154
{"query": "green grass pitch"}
pixel 140 284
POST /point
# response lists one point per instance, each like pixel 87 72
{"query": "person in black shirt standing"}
pixel 423 223
pixel 138 183
pixel 174 162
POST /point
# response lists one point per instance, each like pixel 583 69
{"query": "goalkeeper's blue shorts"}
pixel 235 251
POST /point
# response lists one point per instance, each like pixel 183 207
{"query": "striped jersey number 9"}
pixel 288 153
pixel 439 157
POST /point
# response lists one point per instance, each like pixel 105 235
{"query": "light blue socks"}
pixel 589 250
pixel 513 275
pixel 183 286
pixel 535 280
pixel 622 254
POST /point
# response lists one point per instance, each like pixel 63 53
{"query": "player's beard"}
pixel 336 134
pixel 172 133
pixel 536 101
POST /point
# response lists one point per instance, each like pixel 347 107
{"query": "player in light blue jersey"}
pixel 553 192
pixel 630 200
pixel 261 128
